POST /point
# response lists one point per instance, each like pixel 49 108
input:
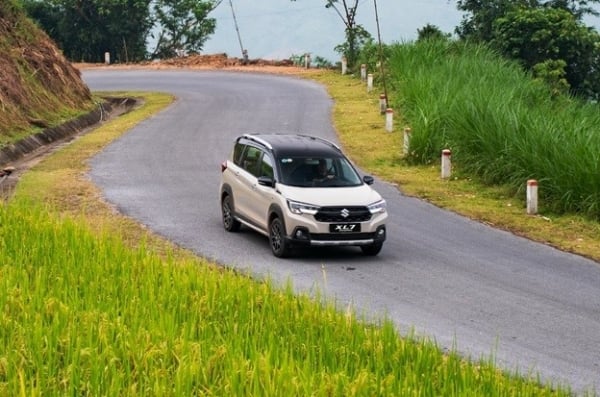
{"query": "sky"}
pixel 278 29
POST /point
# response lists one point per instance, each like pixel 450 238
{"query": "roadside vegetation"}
pixel 502 126
pixel 96 305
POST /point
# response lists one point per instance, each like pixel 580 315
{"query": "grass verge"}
pixel 97 305
pixel 361 130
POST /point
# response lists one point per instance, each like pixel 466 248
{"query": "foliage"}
pixel 535 31
pixel 375 56
pixel 322 63
pixel 318 62
pixel 184 26
pixel 502 126
pixel 430 31
pixel 480 15
pixel 356 35
pixel 552 73
pixel 537 35
pixel 356 38
pixel 86 29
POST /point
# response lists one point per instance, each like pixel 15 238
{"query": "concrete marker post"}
pixel 382 103
pixel 446 163
pixel 307 61
pixel 532 197
pixel 107 58
pixel 389 120
pixel 344 65
pixel 407 133
pixel 363 72
pixel 370 82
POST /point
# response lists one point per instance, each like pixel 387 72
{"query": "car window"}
pixel 318 172
pixel 251 159
pixel 266 166
pixel 238 149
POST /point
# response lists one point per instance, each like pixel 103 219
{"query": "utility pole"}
pixel 381 55
pixel 244 52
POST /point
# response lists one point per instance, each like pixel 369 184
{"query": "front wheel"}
pixel 371 249
pixel 279 245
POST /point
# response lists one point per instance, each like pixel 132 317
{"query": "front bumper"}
pixel 302 237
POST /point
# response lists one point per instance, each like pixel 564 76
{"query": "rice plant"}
pixel 85 315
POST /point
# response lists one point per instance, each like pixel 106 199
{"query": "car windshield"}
pixel 317 172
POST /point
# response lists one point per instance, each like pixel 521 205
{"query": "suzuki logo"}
pixel 345 213
pixel 344 228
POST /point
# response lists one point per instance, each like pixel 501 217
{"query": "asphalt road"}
pixel 458 282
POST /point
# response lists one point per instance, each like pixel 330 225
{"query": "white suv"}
pixel 300 191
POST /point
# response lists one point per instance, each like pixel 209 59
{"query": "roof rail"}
pixel 259 140
pixel 316 138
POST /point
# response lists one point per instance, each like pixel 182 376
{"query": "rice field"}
pixel 502 126
pixel 84 315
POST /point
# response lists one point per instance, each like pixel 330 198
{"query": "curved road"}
pixel 456 281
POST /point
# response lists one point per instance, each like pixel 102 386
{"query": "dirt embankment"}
pixel 37 81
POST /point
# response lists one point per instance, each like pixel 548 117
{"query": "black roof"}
pixel 295 145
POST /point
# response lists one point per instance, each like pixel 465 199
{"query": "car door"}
pixel 246 181
pixel 262 196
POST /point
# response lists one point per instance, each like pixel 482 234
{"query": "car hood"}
pixel 331 196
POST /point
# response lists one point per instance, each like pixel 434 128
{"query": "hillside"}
pixel 39 87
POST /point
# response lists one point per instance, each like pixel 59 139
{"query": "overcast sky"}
pixel 277 29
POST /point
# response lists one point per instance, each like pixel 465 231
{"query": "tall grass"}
pixel 85 315
pixel 501 125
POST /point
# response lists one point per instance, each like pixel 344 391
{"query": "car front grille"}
pixel 343 214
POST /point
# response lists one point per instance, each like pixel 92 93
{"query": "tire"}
pixel 229 222
pixel 279 245
pixel 371 249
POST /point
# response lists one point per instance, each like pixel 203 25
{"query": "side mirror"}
pixel 368 179
pixel 266 181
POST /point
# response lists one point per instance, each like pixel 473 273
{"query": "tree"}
pixel 541 35
pixel 537 35
pixel 481 14
pixel 86 29
pixel 356 35
pixel 431 32
pixel 184 26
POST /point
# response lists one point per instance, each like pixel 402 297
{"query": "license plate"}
pixel 344 227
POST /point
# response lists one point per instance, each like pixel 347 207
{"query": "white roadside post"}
pixel 532 197
pixel 370 82
pixel 363 72
pixel 407 132
pixel 344 65
pixel 389 120
pixel 107 58
pixel 307 61
pixel 382 103
pixel 446 164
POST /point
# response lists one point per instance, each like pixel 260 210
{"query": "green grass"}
pixel 502 126
pixel 93 304
pixel 361 129
pixel 84 314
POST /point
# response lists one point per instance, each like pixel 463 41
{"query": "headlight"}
pixel 378 207
pixel 302 208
